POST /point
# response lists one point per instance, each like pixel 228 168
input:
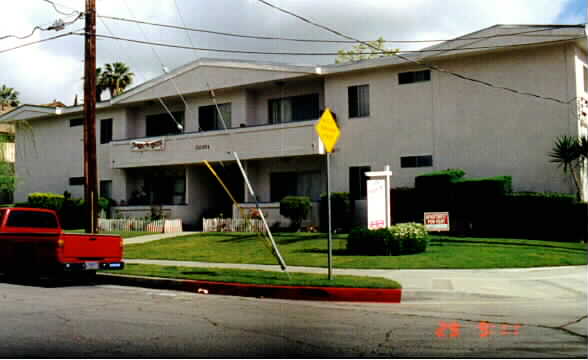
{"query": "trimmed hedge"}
pixel 491 187
pixel 45 201
pixel 400 239
pixel 340 212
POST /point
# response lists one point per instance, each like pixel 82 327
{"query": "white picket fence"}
pixel 140 225
pixel 232 225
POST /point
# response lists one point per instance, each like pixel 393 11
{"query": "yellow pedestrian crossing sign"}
pixel 327 130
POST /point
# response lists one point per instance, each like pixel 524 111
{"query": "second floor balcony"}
pixel 252 142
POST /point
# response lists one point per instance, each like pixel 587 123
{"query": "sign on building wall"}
pixel 157 145
pixel 437 221
pixel 376 201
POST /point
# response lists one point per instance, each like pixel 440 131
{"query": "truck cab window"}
pixel 31 219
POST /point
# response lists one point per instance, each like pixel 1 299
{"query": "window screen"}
pixel 105 131
pixel 416 161
pixel 414 77
pixel 359 101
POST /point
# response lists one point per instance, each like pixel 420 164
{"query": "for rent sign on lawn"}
pixel 437 221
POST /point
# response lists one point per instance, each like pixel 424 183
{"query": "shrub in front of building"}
pixel 400 239
pixel 544 216
pixel 362 241
pixel 340 212
pixel 295 208
pixel 434 189
pixel 45 201
pixel 70 210
pixel 412 237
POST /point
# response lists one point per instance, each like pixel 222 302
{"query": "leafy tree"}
pixel 571 153
pixel 115 77
pixel 7 178
pixel 8 97
pixel 364 52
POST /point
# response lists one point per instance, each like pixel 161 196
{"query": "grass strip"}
pixel 255 276
pixel 310 249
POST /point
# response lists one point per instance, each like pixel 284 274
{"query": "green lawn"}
pixel 256 276
pixel 123 234
pixel 307 249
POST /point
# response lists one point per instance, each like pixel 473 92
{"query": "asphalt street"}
pixel 83 320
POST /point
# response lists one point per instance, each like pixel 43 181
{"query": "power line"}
pixel 61 12
pixel 39 41
pixel 294 53
pixel 429 66
pixel 265 37
pixel 57 26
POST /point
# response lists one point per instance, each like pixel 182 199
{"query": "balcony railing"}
pixel 257 142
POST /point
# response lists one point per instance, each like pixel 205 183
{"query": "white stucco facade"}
pixel 457 123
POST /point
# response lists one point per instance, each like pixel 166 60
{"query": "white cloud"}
pixel 53 70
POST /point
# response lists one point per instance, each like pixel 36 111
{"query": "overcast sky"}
pixel 53 70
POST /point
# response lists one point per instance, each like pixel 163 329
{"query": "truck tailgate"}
pixel 92 247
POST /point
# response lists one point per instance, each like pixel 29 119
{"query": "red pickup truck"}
pixel 32 240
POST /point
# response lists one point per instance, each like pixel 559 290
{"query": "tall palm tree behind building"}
pixel 8 97
pixel 116 77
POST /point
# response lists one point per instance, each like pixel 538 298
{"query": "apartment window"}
pixel 76 122
pixel 106 188
pixel 164 124
pixel 359 101
pixel 358 182
pixel 209 118
pixel 414 77
pixel 293 108
pixel 105 131
pixel 416 161
pixel 76 181
pixel 295 184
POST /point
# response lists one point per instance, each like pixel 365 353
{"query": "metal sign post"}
pixel 330 246
pixel 329 133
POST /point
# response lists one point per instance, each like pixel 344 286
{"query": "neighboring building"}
pixel 390 111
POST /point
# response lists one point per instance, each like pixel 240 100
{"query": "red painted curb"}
pixel 316 293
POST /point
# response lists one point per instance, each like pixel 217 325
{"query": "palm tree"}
pixel 8 97
pixel 116 77
pixel 569 153
pixel 100 83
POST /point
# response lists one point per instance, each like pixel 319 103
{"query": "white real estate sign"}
pixel 376 201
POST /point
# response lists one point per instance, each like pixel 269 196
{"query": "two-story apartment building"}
pixel 394 111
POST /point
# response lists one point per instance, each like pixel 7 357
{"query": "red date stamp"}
pixel 487 329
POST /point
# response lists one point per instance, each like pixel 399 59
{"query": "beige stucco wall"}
pixel 49 152
pixel 485 131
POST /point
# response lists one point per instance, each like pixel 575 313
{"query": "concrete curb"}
pixel 314 293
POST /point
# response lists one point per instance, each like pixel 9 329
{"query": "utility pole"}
pixel 90 164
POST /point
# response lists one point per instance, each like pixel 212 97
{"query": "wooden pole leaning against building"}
pixel 90 164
